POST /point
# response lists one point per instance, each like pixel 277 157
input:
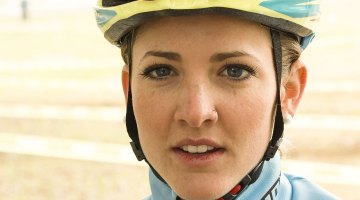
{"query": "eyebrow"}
pixel 163 54
pixel 218 57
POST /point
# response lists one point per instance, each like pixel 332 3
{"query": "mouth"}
pixel 198 153
pixel 201 149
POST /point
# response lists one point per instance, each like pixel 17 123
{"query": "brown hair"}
pixel 291 51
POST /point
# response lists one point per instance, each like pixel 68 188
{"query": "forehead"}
pixel 213 32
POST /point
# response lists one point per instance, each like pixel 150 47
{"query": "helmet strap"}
pixel 278 128
pixel 130 120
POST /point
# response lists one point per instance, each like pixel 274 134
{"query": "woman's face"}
pixel 203 94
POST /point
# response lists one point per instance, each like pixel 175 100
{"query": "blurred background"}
pixel 61 106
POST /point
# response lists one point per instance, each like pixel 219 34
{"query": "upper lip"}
pixel 197 142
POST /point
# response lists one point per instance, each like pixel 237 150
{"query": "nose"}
pixel 195 106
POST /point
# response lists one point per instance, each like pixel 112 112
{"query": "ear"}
pixel 293 88
pixel 125 78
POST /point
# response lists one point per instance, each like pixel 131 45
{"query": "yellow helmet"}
pixel 116 17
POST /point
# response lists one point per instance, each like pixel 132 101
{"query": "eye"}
pixel 158 71
pixel 237 71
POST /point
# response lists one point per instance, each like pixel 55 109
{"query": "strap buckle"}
pixel 137 151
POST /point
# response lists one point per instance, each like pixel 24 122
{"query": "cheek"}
pixel 251 117
pixel 145 105
pixel 152 117
pixel 248 130
pixel 261 109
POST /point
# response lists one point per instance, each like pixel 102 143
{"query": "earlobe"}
pixel 293 88
pixel 125 82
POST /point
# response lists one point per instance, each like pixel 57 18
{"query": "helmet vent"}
pixel 110 3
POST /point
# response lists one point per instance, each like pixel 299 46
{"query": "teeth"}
pixel 192 149
pixel 202 149
pixel 197 149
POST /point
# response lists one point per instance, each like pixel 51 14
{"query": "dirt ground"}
pixel 58 57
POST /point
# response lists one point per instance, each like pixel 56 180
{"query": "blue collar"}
pixel 265 187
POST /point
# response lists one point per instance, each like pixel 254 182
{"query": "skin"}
pixel 192 96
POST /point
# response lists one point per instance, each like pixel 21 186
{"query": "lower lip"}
pixel 198 160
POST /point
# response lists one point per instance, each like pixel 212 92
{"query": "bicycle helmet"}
pixel 117 17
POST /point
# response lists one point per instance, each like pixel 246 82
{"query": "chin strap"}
pixel 273 144
pixel 278 128
pixel 244 183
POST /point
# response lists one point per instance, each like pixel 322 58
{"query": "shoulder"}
pixel 302 188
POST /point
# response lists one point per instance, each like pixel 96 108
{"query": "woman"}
pixel 207 84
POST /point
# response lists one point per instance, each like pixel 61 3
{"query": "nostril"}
pixel 199 120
